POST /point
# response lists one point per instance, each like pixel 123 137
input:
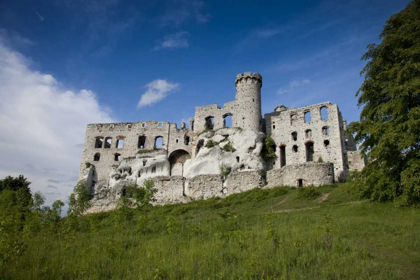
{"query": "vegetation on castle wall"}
pixel 268 150
pixel 229 148
pixel 389 126
pixel 210 144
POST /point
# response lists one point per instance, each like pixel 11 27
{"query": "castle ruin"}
pixel 222 152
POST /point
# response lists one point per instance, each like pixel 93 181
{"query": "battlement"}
pixel 256 78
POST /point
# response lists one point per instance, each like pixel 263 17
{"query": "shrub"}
pixel 320 160
pixel 268 150
pixel 225 170
pixel 229 148
pixel 308 193
pixel 211 144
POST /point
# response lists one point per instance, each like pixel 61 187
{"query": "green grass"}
pixel 244 236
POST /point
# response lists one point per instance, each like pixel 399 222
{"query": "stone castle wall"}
pixel 172 139
pixel 184 168
pixel 310 174
pixel 293 135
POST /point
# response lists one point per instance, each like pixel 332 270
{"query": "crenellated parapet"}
pixel 248 78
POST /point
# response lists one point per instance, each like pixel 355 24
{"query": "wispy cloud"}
pixel 41 18
pixel 156 91
pixel 12 39
pixel 293 85
pixel 173 41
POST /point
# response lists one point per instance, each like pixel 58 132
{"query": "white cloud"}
pixel 156 91
pixel 174 41
pixel 42 125
pixel 293 85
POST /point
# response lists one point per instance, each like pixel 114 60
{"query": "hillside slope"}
pixel 281 233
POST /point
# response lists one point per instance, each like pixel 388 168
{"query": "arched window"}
pixel 308 133
pixel 209 122
pixel 108 142
pixel 282 155
pixel 98 142
pixel 307 116
pixel 227 120
pixel 324 113
pixel 141 144
pixel 309 151
pixel 186 140
pixel 97 157
pixel 117 157
pixel 295 148
pixel 120 143
pixel 159 142
pixel 294 136
pixel 326 130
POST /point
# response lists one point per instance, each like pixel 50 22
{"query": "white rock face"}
pixel 246 157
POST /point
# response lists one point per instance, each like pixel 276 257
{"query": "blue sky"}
pixel 94 60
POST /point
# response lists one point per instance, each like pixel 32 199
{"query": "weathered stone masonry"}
pixel 310 145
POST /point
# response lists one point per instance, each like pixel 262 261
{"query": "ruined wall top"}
pixel 256 76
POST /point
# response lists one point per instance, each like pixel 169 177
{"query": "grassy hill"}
pixel 281 233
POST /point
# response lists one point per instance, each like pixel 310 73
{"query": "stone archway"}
pixel 177 160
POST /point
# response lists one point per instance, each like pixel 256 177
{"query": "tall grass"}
pixel 240 237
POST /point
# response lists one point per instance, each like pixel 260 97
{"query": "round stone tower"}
pixel 248 101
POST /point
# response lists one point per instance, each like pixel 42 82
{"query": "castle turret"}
pixel 248 99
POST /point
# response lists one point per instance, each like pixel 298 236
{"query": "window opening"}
pixel 294 136
pixel 96 157
pixel 324 113
pixel 309 151
pixel 143 125
pixel 108 142
pixel 120 143
pixel 307 117
pixel 227 120
pixel 186 140
pixel 141 144
pixel 159 142
pixel 295 149
pixel 308 133
pixel 98 142
pixel 282 156
pixel 160 125
pixel 237 159
pixel 326 130
pixel 117 157
pixel 209 122
pixel 154 169
pixel 144 162
pixel 326 143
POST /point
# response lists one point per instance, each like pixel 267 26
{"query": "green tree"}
pixel 389 126
pixel 79 200
pixel 20 187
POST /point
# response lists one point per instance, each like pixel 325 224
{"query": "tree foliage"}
pixel 389 126
pixel 269 148
pixel 79 200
